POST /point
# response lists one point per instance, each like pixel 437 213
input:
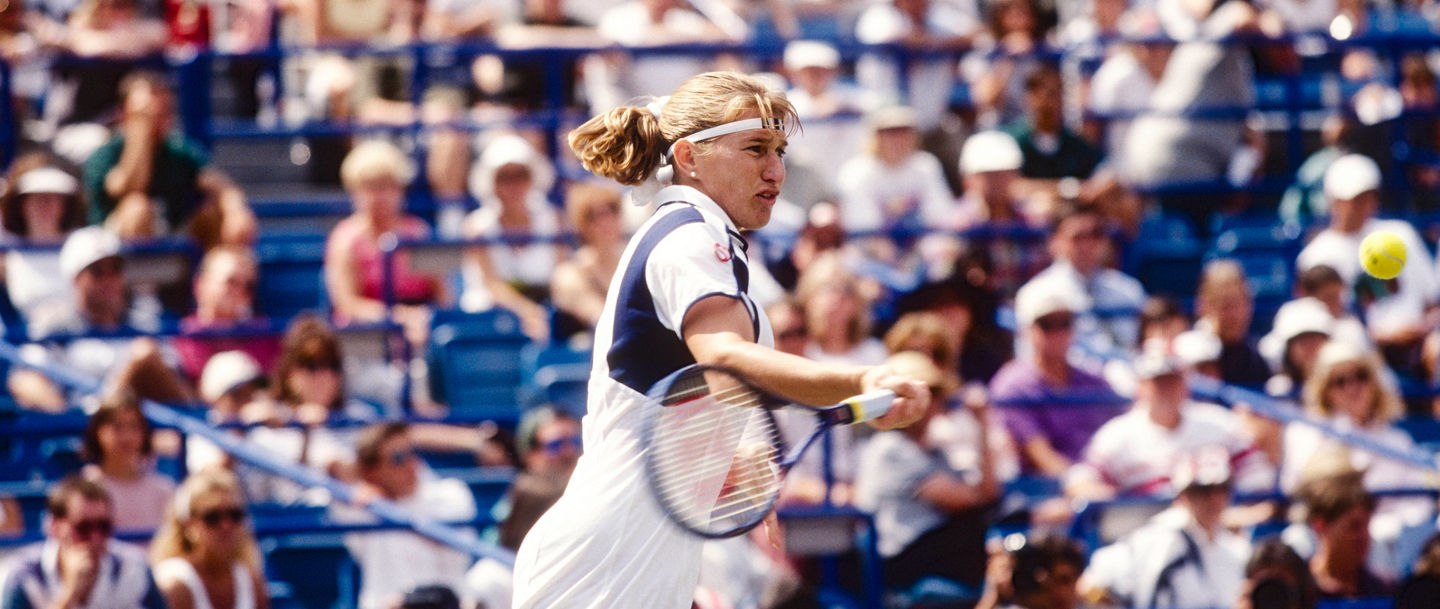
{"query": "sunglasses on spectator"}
pixel 213 518
pixel 1358 376
pixel 317 366
pixel 1055 323
pixel 100 526
pixel 560 444
pixel 790 333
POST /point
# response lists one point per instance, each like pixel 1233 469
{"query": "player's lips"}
pixel 769 195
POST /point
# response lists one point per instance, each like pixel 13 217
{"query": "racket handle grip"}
pixel 870 405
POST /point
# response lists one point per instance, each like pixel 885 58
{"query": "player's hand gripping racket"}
pixel 714 456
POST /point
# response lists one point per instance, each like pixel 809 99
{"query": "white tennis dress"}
pixel 606 543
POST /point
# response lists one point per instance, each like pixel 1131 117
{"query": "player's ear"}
pixel 684 157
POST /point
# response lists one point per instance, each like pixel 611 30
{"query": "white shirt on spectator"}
pixel 629 24
pixel 1155 566
pixel 874 196
pixel 1417 281
pixel 529 264
pixel 931 80
pixel 1302 442
pixel 1120 85
pixel 395 562
pixel 1136 456
pixel 892 467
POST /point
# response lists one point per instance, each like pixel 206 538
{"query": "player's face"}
pixel 743 173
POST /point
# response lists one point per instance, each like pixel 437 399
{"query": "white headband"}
pixel 728 128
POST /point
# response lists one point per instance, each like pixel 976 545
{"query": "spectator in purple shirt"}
pixel 1050 407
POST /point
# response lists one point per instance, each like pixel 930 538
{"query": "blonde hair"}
pixel 626 144
pixel 923 326
pixel 375 159
pixel 1385 405
pixel 171 541
pixel 829 271
pixel 582 198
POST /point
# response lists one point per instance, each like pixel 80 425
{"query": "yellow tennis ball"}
pixel 1382 253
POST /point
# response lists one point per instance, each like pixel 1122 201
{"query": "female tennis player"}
pixel 678 298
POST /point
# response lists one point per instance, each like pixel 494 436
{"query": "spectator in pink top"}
pixel 375 175
pixel 225 300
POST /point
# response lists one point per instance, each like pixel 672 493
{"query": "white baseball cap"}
pixel 802 54
pixel 1194 347
pixel 49 180
pixel 225 371
pixel 1302 316
pixel 990 151
pixel 1205 466
pixel 85 247
pixel 1041 297
pixel 1154 364
pixel 892 117
pixel 1350 176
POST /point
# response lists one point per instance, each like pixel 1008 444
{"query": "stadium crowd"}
pixel 1063 215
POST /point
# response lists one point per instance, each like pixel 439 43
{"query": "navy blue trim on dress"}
pixel 643 350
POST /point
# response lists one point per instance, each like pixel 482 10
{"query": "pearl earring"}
pixel 692 174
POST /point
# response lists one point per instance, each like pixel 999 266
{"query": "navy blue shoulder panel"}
pixel 642 350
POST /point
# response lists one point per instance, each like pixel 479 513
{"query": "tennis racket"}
pixel 714 456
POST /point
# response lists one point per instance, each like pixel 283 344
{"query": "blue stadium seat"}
pixel 292 275
pixel 477 359
pixel 555 374
pixel 312 576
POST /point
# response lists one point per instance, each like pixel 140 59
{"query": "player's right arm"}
pixel 717 329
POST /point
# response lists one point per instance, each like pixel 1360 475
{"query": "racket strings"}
pixel 716 459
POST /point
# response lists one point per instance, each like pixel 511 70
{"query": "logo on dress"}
pixel 722 253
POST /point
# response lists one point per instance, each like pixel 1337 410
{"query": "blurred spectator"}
pixel 336 84
pixel 78 564
pixel 1393 310
pixel 1124 84
pixel 1184 557
pixel 787 322
pixel 1037 573
pixel 39 206
pixel 90 260
pixel 1347 392
pixel 1305 202
pixel 1324 284
pixel 1051 408
pixel 967 312
pixel 1081 249
pixel 837 322
pixel 375 175
pixel 1338 509
pixel 394 562
pixel 119 446
pixel 110 37
pixel 930 519
pixel 1166 145
pixel 205 555
pixel 512 181
pixel 1198 352
pixel 580 282
pixel 1301 328
pixel 224 291
pixel 1420 127
pixel 549 443
pixel 12 520
pixel 830 110
pixel 962 436
pixel 1049 150
pixel 1162 318
pixel 307 388
pixel 230 381
pixel 893 187
pixel 1225 305
pixel 917 26
pixel 1276 577
pixel 1137 453
pixel 613 78
pixel 149 181
pixel 1005 54
pixel 1422 587
pixel 27 38
pixel 990 162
